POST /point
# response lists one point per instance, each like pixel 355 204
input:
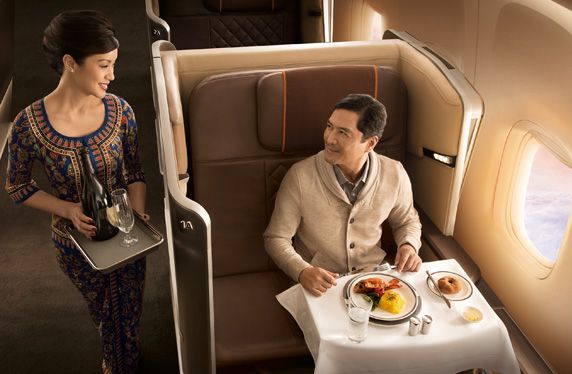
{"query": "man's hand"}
pixel 317 280
pixel 407 259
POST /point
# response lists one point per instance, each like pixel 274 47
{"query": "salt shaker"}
pixel 426 326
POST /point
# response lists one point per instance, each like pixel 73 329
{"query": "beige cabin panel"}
pixel 353 20
pixel 454 39
pixel 435 108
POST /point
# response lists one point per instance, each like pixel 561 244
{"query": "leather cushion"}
pixel 239 196
pixel 250 324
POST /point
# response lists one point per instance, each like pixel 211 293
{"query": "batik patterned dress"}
pixel 114 300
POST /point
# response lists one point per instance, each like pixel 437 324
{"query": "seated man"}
pixel 330 207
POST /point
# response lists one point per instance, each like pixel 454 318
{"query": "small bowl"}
pixel 472 314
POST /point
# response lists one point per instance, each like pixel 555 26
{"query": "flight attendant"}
pixel 79 113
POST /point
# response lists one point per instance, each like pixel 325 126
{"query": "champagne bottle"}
pixel 95 200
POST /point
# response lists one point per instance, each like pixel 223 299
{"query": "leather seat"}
pixel 251 325
pixel 245 130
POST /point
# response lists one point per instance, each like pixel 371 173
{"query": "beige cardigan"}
pixel 313 222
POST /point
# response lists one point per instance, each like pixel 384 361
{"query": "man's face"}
pixel 343 142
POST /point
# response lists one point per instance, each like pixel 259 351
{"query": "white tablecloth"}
pixel 453 345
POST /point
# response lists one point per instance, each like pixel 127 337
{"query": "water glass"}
pixel 358 320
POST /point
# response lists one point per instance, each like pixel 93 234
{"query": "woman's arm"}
pixel 72 211
pixel 23 189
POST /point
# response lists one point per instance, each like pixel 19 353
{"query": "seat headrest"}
pixel 269 111
pixel 294 104
pixel 243 5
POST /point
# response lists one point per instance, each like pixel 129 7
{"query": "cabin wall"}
pixel 524 75
pixel 357 26
pixel 517 55
pixel 455 39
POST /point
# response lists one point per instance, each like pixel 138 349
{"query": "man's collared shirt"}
pixel 352 190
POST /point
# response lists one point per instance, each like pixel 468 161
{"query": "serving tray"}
pixel 108 255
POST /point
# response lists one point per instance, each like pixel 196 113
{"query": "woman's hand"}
pixel 80 221
pixel 72 211
pixel 144 216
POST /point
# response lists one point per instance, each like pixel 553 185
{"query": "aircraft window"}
pixel 547 202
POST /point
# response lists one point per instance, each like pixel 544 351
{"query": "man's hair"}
pixel 80 34
pixel 372 115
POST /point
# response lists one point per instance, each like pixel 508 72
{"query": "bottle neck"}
pixel 86 162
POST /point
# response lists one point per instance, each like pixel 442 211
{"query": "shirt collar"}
pixel 342 180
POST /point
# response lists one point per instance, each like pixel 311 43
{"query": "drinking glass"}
pixel 124 218
pixel 358 319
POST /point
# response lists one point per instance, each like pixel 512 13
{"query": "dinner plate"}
pixel 406 291
pixel 466 287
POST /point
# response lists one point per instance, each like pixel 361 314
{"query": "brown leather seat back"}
pixel 231 23
pixel 246 129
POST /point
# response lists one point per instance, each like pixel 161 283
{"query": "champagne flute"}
pixel 124 218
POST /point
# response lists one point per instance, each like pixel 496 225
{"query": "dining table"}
pixel 452 344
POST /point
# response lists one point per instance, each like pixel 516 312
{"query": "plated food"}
pixel 449 284
pixel 380 293
pixel 399 304
pixel 455 286
pixel 392 302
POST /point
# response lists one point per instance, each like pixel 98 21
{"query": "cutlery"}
pixel 381 267
pixel 351 272
pixel 438 290
pixel 384 267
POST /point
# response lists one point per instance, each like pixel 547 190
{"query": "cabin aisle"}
pixel 44 322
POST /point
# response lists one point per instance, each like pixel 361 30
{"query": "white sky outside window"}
pixel 548 203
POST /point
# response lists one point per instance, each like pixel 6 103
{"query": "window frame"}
pixel 522 142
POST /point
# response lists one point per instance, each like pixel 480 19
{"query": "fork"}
pixel 384 267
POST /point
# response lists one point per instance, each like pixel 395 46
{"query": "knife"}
pixel 351 272
pixel 438 290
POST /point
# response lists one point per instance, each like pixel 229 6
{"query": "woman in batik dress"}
pixel 82 48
